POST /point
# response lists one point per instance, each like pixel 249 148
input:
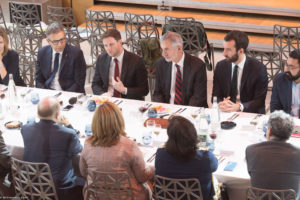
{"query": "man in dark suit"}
pixel 240 82
pixel 286 87
pixel 119 73
pixel 53 140
pixel 274 164
pixel 60 66
pixel 180 77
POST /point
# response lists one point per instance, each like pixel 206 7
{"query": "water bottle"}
pixel 203 129
pixel 12 95
pixel 214 116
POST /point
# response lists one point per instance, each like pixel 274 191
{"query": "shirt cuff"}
pixel 125 91
pixel 241 107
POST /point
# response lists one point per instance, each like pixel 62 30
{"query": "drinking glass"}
pixel 147 135
pixel 157 129
pixel 35 98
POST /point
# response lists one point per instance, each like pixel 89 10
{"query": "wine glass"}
pixel 194 114
pixel 157 129
pixel 213 136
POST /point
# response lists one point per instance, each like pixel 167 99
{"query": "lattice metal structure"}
pixel 187 28
pixel 26 15
pixel 109 186
pixel 286 39
pixel 2 20
pixel 97 23
pixel 132 25
pixel 66 17
pixel 180 189
pixel 265 194
pixel 33 180
pixel 271 60
pixel 27 69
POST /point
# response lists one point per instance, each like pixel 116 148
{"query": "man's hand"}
pixel 228 106
pixel 118 85
pixel 62 120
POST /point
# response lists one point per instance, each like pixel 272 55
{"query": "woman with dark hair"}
pixel 180 157
pixel 9 61
pixel 109 150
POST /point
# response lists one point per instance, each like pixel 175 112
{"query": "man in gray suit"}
pixel 275 164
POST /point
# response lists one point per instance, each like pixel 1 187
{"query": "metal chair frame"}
pixel 132 26
pixel 272 62
pixel 33 180
pixel 180 189
pixel 286 39
pixel 109 186
pixel 266 194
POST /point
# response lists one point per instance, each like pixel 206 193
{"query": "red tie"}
pixel 178 86
pixel 117 74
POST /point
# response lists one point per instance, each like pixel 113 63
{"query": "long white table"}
pixel 230 144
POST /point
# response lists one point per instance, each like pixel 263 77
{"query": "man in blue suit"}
pixel 286 87
pixel 52 140
pixel 60 66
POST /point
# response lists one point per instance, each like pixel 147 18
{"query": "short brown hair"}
pixel 112 33
pixel 107 125
pixel 3 34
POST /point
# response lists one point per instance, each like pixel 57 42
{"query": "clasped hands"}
pixel 118 85
pixel 228 106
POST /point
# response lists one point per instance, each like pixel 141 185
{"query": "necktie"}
pixel 117 74
pixel 55 69
pixel 178 85
pixel 233 91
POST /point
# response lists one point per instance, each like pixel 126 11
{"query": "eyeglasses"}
pixel 292 67
pixel 55 42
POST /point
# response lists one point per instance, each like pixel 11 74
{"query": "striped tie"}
pixel 178 86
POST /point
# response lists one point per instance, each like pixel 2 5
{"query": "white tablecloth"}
pixel 230 144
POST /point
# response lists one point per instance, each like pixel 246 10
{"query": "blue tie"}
pixel 53 73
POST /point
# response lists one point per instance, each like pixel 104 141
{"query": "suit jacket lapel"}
pixel 124 66
pixel 64 57
pixel 227 75
pixel 186 74
pixel 105 75
pixel 245 74
pixel 48 62
pixel 168 76
pixel 289 94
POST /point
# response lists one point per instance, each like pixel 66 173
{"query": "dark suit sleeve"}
pixel 39 79
pixel 158 95
pixel 213 161
pixel 275 100
pixel 141 88
pixel 216 87
pixel 199 95
pixel 260 91
pixel 75 146
pixel 79 73
pixel 98 83
pixel 4 157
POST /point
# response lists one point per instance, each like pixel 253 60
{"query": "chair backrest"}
pixel 265 194
pixel 26 15
pixel 109 186
pixel 271 60
pixel 286 39
pixel 170 188
pixel 133 24
pixel 33 180
pixel 65 16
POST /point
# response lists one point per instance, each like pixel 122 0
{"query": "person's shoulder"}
pixel 12 53
pixel 73 49
pixel 280 77
pixel 193 59
pixel 126 141
pixel 64 130
pixel 254 62
pixel 131 56
pixel 257 146
pixel 44 48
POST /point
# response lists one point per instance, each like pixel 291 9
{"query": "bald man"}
pixel 52 140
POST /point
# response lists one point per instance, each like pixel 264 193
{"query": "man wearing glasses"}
pixel 286 87
pixel 60 66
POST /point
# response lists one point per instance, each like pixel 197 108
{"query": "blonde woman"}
pixel 109 150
